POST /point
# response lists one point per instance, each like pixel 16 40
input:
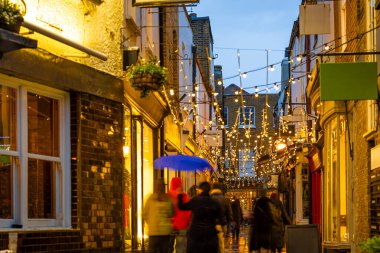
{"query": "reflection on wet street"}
pixel 241 244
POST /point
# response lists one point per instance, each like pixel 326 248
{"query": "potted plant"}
pixel 372 245
pixel 147 76
pixel 10 16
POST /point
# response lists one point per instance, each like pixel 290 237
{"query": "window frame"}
pixel 253 117
pixel 225 116
pixel 62 172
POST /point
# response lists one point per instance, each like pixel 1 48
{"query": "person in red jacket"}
pixel 181 219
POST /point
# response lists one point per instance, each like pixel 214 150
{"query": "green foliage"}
pixel 143 68
pixel 10 13
pixel 372 245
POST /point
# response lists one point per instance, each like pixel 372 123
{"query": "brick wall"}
pixel 97 171
pixel 171 58
pixel 202 40
pixel 3 241
pixel 356 24
pixel 259 104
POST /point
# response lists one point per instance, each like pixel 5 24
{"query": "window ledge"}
pixel 369 135
pixel 36 229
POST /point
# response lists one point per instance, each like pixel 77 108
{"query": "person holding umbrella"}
pixel 206 214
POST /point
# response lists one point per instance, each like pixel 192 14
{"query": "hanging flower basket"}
pixel 10 16
pixel 147 76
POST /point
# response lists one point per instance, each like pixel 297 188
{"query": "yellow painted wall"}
pixel 87 22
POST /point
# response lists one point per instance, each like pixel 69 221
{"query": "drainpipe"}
pixel 193 80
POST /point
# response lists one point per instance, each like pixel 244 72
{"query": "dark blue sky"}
pixel 249 24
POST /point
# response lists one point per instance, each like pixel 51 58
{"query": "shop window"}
pixel 246 162
pixel 34 156
pixel 335 181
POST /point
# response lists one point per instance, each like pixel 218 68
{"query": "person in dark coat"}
pixel 279 219
pixel 260 235
pixel 237 214
pixel 217 194
pixel 269 218
pixel 206 214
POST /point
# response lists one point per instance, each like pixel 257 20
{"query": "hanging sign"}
pixel 314 19
pixel 348 81
pixel 158 3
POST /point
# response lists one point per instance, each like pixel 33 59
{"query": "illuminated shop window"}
pixel 335 181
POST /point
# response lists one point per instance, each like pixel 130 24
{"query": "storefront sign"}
pixel 348 81
pixel 158 3
pixel 314 19
pixel 314 160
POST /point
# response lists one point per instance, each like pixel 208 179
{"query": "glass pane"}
pixel 43 125
pixel 127 189
pixel 6 185
pixel 343 180
pixel 8 119
pixel 41 189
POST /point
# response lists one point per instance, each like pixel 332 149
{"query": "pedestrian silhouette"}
pixel 279 219
pixel 217 194
pixel 268 228
pixel 237 217
pixel 181 219
pixel 206 214
pixel 157 213
pixel 260 235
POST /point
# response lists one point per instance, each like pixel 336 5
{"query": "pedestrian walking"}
pixel 280 218
pixel 269 220
pixel 206 214
pixel 237 217
pixel 157 213
pixel 217 194
pixel 260 235
pixel 181 219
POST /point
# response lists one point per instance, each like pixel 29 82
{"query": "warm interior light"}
pixel 236 92
pixel 171 92
pixel 219 82
pixel 279 145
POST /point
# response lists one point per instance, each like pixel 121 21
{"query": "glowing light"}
pixel 299 58
pixel 271 68
pixel 171 92
pixel 219 82
pixel 327 47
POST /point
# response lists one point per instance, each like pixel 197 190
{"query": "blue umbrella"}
pixel 182 163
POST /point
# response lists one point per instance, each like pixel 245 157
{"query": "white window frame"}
pixel 253 117
pixel 20 173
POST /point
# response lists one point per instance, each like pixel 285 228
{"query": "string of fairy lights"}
pixel 243 150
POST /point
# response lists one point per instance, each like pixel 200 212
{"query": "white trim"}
pixel 253 117
pixel 62 172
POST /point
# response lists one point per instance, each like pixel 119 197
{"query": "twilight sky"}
pixel 249 24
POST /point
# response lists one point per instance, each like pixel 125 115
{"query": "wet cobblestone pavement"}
pixel 240 245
